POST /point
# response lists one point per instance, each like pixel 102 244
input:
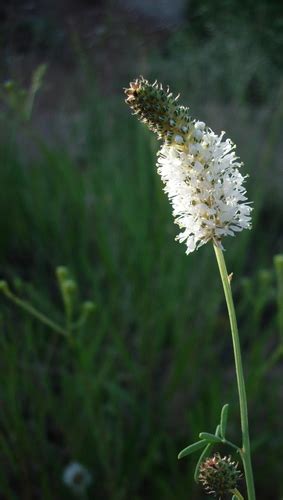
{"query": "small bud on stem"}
pixel 219 475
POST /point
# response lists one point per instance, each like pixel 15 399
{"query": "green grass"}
pixel 152 367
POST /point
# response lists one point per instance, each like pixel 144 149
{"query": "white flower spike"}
pixel 199 169
pixel 205 188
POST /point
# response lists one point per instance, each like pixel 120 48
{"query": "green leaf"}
pixel 210 438
pixel 237 495
pixel 203 456
pixel 223 420
pixel 191 449
pixel 217 431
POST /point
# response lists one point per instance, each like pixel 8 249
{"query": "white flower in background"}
pixel 199 169
pixel 77 478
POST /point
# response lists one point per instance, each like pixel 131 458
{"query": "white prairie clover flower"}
pixel 205 188
pixel 77 478
pixel 199 169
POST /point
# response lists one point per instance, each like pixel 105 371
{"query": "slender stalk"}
pixel 34 312
pixel 245 451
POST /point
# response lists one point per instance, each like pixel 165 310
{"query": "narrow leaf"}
pixel 191 449
pixel 223 420
pixel 201 459
pixel 217 431
pixel 210 438
pixel 237 495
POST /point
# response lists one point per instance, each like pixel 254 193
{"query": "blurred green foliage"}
pixel 263 21
pixel 152 366
pixel 229 50
pixel 21 101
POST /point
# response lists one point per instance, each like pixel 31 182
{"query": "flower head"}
pixel 199 169
pixel 219 475
pixel 77 477
pixel 158 109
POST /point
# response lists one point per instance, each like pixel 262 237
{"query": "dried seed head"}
pixel 219 475
pixel 158 109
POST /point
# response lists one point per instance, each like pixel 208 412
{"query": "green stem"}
pixel 245 451
pixel 34 312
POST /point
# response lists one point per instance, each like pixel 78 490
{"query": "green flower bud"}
pixel 62 273
pixel 88 306
pixel 4 287
pixel 69 286
pixel 158 109
pixel 219 476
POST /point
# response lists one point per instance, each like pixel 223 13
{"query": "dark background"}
pixel 138 379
